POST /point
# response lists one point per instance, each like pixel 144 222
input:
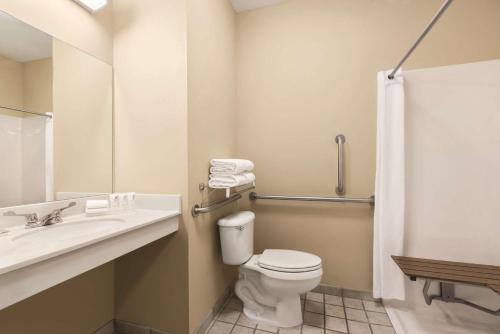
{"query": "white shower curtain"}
pixel 388 280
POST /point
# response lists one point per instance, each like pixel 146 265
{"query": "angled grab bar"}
pixel 198 209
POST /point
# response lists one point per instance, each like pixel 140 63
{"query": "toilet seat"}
pixel 304 274
pixel 289 261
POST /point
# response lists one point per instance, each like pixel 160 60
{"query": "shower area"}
pixel 25 148
pixel 436 249
pixel 26 119
pixel 451 190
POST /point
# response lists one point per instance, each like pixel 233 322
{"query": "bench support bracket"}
pixel 447 295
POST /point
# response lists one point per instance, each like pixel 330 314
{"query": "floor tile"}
pixel 336 324
pixel 315 307
pixel 357 315
pixel 358 327
pixel 329 290
pixel 314 319
pixel 315 296
pixel 245 321
pixel 261 332
pixel 353 303
pixel 156 331
pixel 374 306
pixel 267 328
pixel 334 300
pixel 377 329
pixel 334 311
pixel 378 318
pixel 130 328
pixel 290 330
pixel 327 331
pixel 219 327
pixel 312 330
pixel 235 303
pixel 242 330
pixel 365 295
pixel 229 315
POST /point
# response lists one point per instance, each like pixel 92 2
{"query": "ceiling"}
pixel 22 42
pixel 243 5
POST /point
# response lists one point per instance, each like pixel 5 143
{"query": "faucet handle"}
pixel 70 205
pixel 56 214
pixel 31 218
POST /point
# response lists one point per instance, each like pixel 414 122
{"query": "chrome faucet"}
pixel 32 220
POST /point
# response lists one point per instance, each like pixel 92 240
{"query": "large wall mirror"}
pixel 56 119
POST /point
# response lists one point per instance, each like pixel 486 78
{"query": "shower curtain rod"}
pixel 45 114
pixel 429 27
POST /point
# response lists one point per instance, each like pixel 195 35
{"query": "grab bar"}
pixel 198 209
pixel 340 189
pixel 365 200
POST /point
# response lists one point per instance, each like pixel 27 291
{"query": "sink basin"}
pixel 66 231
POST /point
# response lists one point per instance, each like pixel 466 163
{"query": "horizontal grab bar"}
pixel 366 200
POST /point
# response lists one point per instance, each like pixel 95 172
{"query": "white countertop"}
pixel 33 260
pixel 22 247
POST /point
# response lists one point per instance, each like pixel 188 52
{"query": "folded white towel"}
pixel 97 204
pixel 228 181
pixel 97 207
pixel 230 166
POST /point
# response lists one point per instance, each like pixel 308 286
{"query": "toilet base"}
pixel 273 297
pixel 288 313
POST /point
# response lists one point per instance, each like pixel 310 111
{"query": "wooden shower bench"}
pixel 448 274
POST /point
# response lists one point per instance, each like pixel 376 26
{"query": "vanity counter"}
pixel 21 247
pixel 32 260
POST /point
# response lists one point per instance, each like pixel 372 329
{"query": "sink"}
pixel 33 260
pixel 66 231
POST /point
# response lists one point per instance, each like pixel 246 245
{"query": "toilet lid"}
pixel 289 260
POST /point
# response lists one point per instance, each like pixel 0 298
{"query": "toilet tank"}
pixel 236 237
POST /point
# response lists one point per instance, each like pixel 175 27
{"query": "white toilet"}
pixel 270 284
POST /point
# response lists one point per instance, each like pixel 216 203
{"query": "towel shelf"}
pixel 365 200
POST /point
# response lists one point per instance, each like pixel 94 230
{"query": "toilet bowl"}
pixel 272 296
pixel 270 284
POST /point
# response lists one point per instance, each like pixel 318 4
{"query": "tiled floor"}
pixel 323 314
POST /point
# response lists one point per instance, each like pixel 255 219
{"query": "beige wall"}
pixel 212 133
pixel 69 22
pixel 83 121
pixel 11 83
pixel 37 85
pixel 306 71
pixel 78 306
pixel 83 304
pixel 26 85
pixel 151 153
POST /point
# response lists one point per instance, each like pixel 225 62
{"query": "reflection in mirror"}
pixel 55 118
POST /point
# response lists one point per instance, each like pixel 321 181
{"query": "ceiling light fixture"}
pixel 92 5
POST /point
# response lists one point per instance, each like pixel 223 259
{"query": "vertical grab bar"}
pixel 340 189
